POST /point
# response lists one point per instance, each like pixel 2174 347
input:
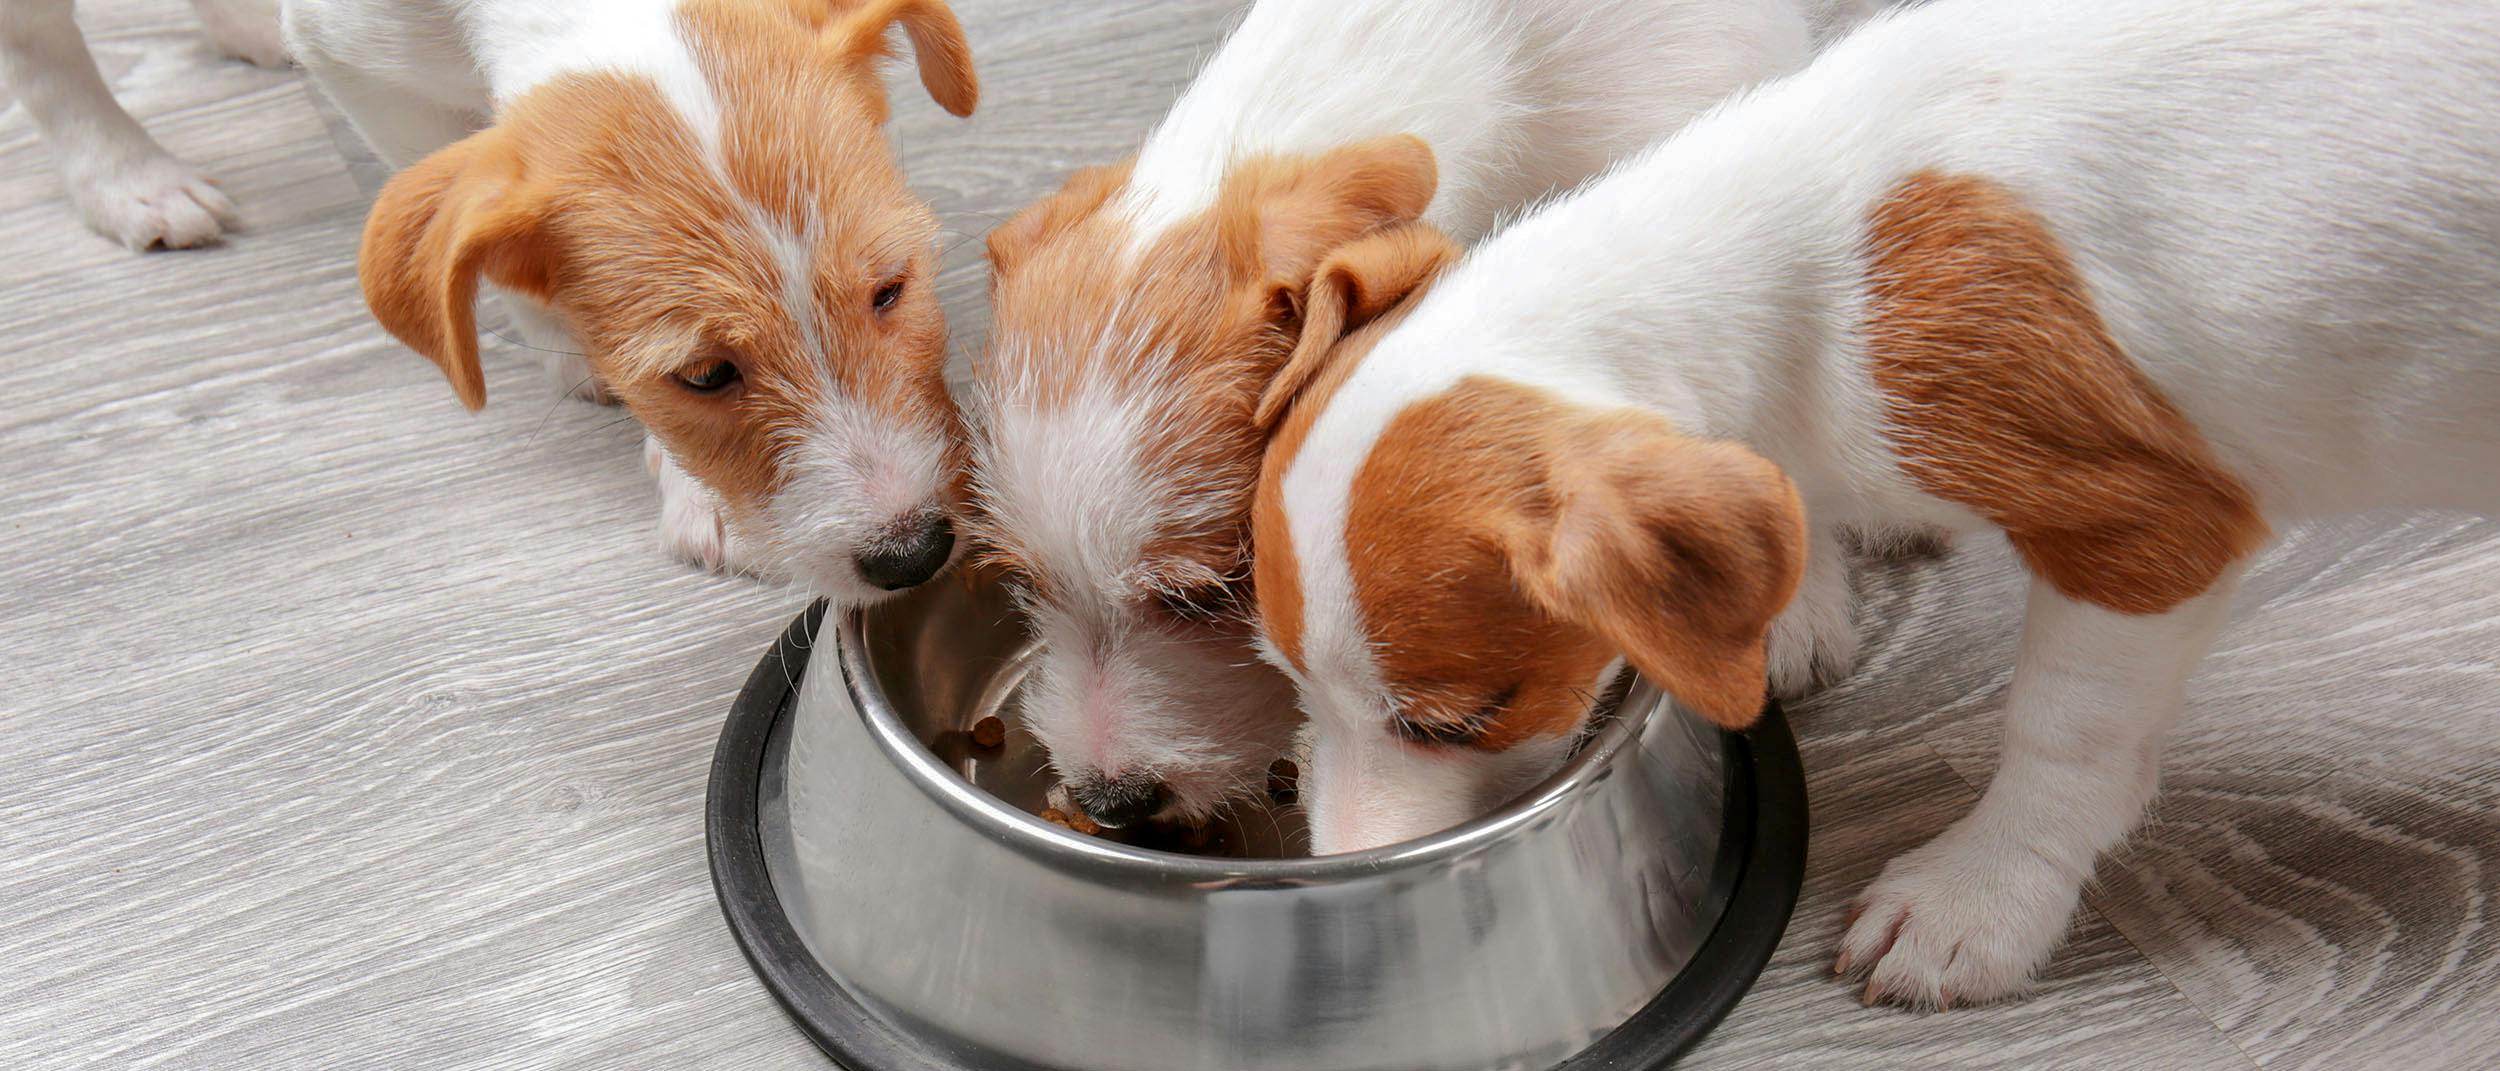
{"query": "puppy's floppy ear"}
pixel 1084 193
pixel 1358 283
pixel 937 45
pixel 1680 552
pixel 1278 218
pixel 436 227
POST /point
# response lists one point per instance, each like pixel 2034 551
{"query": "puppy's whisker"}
pixel 518 344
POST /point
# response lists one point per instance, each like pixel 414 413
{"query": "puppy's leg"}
pixel 1973 914
pixel 126 186
pixel 244 29
pixel 693 524
pixel 403 125
pixel 1814 642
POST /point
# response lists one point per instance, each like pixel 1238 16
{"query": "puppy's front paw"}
pixel 694 526
pixel 245 29
pixel 153 201
pixel 1967 919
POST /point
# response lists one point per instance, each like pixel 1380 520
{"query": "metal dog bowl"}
pixel 887 880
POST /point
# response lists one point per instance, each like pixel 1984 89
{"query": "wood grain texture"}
pixel 345 730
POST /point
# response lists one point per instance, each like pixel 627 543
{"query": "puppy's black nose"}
pixel 1120 802
pixel 912 556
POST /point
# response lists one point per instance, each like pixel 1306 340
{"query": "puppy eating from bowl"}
pixel 690 205
pixel 1140 310
pixel 2130 284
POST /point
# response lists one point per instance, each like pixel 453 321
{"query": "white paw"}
pixel 1814 642
pixel 151 201
pixel 693 524
pixel 245 29
pixel 1968 918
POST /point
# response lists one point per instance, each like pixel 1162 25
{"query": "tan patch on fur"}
pixel 1505 546
pixel 1196 322
pixel 1357 295
pixel 2009 396
pixel 592 194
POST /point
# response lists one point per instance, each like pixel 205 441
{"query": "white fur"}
pixel 847 465
pixel 2292 233
pixel 416 76
pixel 126 186
pixel 1518 99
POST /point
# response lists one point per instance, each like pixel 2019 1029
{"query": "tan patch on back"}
pixel 2008 396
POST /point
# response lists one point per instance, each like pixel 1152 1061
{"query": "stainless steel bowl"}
pixel 891 883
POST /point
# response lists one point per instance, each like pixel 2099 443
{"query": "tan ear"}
pixel 1358 283
pixel 434 229
pixel 1279 218
pixel 1678 551
pixel 1084 193
pixel 937 45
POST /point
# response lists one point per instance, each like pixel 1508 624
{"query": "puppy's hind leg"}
pixel 126 186
pixel 1973 914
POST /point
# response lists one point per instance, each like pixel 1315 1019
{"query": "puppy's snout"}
pixel 1118 802
pixel 911 555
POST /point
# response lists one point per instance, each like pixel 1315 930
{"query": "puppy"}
pixel 692 202
pixel 2131 283
pixel 1141 308
pixel 126 186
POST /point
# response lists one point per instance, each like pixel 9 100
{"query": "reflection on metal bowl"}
pixel 890 881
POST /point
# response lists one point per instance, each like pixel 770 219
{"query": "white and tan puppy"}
pixel 126 186
pixel 1140 310
pixel 2130 283
pixel 695 207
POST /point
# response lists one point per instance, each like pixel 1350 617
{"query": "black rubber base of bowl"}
pixel 1766 837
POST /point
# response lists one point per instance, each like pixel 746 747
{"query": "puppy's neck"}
pixel 522 44
pixel 1731 307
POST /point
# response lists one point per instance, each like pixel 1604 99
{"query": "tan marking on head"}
pixel 1507 545
pixel 592 194
pixel 1198 320
pixel 2008 395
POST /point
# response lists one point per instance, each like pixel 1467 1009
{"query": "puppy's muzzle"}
pixel 1120 802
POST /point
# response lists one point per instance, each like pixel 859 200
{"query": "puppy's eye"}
pixel 888 294
pixel 1201 604
pixel 1462 732
pixel 1433 733
pixel 711 377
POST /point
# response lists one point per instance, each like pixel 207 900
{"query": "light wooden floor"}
pixel 345 730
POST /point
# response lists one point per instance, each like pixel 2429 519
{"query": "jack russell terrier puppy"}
pixel 2132 283
pixel 126 186
pixel 1140 310
pixel 694 204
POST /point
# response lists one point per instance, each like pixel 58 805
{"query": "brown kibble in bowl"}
pixel 1079 822
pixel 989 733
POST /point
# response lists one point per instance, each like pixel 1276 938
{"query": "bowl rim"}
pixel 1766 794
pixel 1027 833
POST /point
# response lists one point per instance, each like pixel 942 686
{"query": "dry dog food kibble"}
pixel 989 733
